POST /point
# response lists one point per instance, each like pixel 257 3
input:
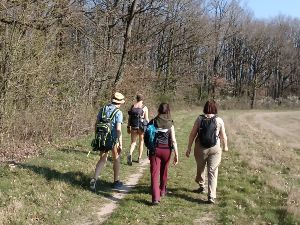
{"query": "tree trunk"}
pixel 127 36
pixel 253 95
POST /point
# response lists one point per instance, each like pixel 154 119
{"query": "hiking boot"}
pixel 211 200
pixel 201 190
pixel 164 193
pixel 93 184
pixel 118 184
pixel 139 160
pixel 155 202
pixel 129 160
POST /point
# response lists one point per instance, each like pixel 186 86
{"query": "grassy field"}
pixel 258 184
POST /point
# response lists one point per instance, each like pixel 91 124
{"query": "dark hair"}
pixel 164 108
pixel 210 107
pixel 139 97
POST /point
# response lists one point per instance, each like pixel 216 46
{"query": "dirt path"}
pixel 285 126
pixel 103 213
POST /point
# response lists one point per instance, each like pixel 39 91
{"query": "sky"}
pixel 266 9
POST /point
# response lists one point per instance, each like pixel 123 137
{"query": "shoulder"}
pixel 219 120
pixel 119 113
pixel 199 118
pixel 151 122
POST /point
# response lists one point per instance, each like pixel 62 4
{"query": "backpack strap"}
pixel 113 113
pixel 130 110
pixel 202 117
pixel 103 111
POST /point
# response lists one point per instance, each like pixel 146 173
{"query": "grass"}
pixel 53 187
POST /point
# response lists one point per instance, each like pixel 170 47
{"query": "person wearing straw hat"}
pixel 111 110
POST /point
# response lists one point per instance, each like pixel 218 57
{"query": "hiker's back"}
pixel 209 129
pixel 105 133
pixel 163 136
pixel 108 134
pixel 157 136
pixel 136 114
pixel 160 157
pixel 137 124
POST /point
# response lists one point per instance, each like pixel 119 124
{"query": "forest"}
pixel 61 59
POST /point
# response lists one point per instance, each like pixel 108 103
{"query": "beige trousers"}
pixel 212 158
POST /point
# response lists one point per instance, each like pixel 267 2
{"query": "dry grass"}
pixel 265 153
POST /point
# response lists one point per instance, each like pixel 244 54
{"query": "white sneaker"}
pixel 211 200
pixel 93 184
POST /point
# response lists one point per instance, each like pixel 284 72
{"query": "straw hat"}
pixel 118 98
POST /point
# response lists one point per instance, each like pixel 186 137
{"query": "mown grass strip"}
pixel 243 195
pixel 53 189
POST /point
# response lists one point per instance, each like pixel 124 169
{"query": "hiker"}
pixel 165 143
pixel 137 121
pixel 115 143
pixel 208 129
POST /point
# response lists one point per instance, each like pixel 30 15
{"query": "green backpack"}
pixel 104 140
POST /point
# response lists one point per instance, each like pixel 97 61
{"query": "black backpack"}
pixel 136 121
pixel 103 135
pixel 208 131
pixel 154 136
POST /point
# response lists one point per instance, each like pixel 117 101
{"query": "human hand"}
pixel 188 152
pixel 175 162
pixel 119 149
pixel 226 149
pixel 128 130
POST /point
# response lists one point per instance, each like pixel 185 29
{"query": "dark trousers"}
pixel 159 164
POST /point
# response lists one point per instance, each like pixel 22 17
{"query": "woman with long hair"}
pixel 160 157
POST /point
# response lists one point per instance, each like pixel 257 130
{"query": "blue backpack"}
pixel 150 138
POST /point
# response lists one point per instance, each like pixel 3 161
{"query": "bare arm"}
pixel 192 137
pixel 223 137
pixel 174 143
pixel 119 134
pixel 146 115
